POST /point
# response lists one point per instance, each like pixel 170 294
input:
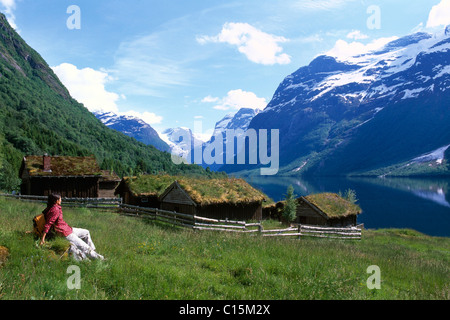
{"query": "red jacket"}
pixel 54 218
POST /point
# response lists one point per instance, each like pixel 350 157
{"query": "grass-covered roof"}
pixel 109 175
pixel 148 185
pixel 333 205
pixel 203 191
pixel 217 191
pixel 62 166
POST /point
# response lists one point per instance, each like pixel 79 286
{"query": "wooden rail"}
pixel 349 233
pixel 201 223
pixel 186 220
pixel 288 232
pixel 102 203
pixel 206 224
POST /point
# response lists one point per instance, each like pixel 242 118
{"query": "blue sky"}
pixel 177 62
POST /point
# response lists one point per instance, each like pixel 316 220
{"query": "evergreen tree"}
pixel 290 209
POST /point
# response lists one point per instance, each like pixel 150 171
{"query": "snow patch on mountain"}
pixel 445 70
pixel 377 73
pixel 233 121
pixel 436 155
pixel 133 127
pixel 181 141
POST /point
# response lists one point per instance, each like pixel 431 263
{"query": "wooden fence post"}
pixel 260 228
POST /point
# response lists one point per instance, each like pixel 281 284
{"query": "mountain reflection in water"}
pixel 422 204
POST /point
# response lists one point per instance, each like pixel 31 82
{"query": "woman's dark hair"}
pixel 52 199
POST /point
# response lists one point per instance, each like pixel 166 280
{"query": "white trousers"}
pixel 81 245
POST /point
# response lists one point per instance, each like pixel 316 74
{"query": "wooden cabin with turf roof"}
pixel 224 198
pixel 144 190
pixel 327 209
pixel 221 198
pixel 71 177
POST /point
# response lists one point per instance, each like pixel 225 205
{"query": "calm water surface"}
pixel 420 204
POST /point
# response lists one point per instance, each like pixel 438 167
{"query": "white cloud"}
pixel 256 45
pixel 209 99
pixel 9 6
pixel 357 35
pixel 342 49
pixel 149 117
pixel 88 87
pixel 439 15
pixel 237 99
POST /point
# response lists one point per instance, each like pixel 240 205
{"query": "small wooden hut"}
pixel 232 199
pixel 107 184
pixel 144 190
pixel 72 177
pixel 327 209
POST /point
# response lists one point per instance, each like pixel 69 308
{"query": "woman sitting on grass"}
pixel 81 244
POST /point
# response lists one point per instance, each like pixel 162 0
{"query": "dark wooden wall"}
pixel 240 212
pixel 177 196
pixel 140 201
pixel 66 187
pixel 180 208
pixel 307 215
pixel 106 189
pixel 179 201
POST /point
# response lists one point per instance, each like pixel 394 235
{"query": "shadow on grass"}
pixel 166 226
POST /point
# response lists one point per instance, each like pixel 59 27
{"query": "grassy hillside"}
pixel 37 116
pixel 157 262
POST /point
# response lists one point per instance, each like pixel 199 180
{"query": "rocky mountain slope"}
pixel 368 114
pixel 133 127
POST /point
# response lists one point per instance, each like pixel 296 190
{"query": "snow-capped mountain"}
pixel 185 143
pixel 238 123
pixel 181 141
pixel 362 113
pixel 404 68
pixel 233 121
pixel 178 141
pixel 133 127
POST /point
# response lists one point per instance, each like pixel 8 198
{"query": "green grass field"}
pixel 152 261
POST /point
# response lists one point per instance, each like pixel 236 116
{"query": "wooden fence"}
pixel 188 221
pixel 348 233
pixel 101 203
pixel 201 223
pixel 288 232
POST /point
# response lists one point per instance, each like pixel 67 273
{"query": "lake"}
pixel 422 204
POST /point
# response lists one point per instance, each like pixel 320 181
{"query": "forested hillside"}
pixel 37 116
